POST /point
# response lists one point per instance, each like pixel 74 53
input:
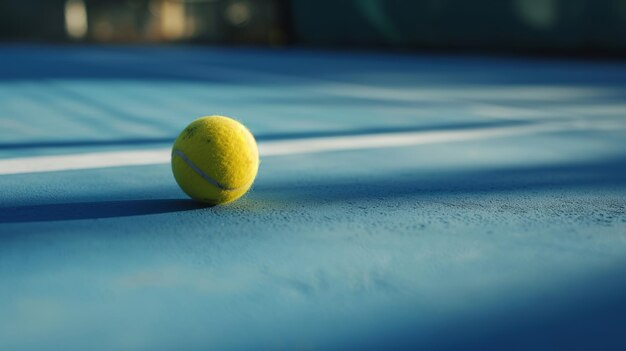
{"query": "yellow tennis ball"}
pixel 215 159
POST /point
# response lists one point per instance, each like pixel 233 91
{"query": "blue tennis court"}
pixel 403 201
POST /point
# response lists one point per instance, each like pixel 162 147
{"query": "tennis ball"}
pixel 215 160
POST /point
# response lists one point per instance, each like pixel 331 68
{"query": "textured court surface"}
pixel 504 240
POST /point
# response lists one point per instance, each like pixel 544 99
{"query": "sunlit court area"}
pixel 312 175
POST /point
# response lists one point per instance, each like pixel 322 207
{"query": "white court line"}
pixel 36 164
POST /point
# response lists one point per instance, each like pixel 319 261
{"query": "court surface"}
pixel 403 201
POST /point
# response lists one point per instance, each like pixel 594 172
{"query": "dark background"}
pixel 578 27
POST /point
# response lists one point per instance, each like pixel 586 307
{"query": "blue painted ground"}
pixel 515 242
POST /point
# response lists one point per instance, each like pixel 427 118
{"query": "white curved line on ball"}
pixel 198 170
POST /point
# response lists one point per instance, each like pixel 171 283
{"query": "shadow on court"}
pixel 92 210
pixel 272 136
pixel 607 173
pixel 299 67
pixel 590 315
pixel 598 174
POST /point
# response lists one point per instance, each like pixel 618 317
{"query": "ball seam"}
pixel 199 171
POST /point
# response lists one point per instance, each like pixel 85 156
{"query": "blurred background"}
pixel 582 27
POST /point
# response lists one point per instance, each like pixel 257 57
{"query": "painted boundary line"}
pixel 93 160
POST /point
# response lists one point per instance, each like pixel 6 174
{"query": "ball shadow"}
pixel 94 210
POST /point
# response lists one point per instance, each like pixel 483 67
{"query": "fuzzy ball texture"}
pixel 215 160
